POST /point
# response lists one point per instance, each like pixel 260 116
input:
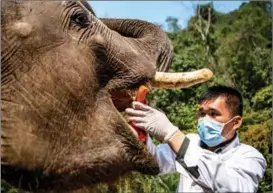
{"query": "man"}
pixel 212 161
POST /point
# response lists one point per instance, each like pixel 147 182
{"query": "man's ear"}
pixel 237 122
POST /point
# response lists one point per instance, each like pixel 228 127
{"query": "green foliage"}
pixel 246 50
pixel 7 188
pixel 260 137
pixel 263 98
pixel 135 182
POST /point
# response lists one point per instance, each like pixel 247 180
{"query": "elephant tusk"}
pixel 174 80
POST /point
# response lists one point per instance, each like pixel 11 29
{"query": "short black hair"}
pixel 233 98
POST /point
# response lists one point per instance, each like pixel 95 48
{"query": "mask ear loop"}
pixel 229 122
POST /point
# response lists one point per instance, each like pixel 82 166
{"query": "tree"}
pixel 173 25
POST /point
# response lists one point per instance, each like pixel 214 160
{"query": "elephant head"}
pixel 61 67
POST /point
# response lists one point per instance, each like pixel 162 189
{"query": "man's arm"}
pixel 164 155
pixel 176 141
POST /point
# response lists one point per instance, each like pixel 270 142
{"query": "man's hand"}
pixel 152 121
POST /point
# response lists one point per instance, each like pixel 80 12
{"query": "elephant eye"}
pixel 80 19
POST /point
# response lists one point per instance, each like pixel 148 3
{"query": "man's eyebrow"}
pixel 209 109
pixel 214 110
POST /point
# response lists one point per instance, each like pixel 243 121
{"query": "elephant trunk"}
pixel 149 39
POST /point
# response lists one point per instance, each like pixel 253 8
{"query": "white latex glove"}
pixel 152 121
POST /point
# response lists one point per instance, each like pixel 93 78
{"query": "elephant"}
pixel 61 67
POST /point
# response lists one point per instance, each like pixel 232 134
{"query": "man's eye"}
pixel 213 114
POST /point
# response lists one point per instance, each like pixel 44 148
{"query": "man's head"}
pixel 224 105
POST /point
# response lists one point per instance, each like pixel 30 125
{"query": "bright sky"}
pixel 156 11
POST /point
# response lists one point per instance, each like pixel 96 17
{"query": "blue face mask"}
pixel 210 131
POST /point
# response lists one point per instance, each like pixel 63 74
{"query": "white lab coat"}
pixel 236 167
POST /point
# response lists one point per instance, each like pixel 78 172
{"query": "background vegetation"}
pixel 237 48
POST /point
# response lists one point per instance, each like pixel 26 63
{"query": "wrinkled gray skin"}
pixel 60 129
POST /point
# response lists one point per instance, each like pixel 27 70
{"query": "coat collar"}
pixel 226 146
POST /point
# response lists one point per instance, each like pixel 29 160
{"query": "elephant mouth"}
pixel 123 98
